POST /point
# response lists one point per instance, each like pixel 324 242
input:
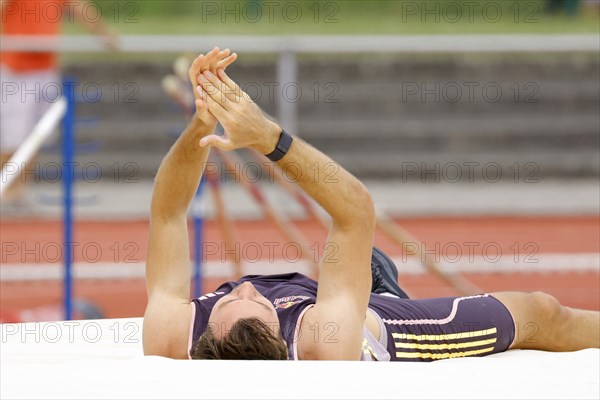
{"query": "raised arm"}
pixel 345 278
pixel 167 264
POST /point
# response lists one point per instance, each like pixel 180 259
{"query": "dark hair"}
pixel 249 339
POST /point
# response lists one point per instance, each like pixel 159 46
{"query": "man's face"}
pixel 243 302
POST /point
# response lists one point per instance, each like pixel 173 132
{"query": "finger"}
pixel 212 63
pixel 211 58
pixel 227 61
pixel 217 141
pixel 209 90
pixel 223 54
pixel 214 51
pixel 195 69
pixel 232 86
pixel 200 94
pixel 216 88
pixel 227 80
pixel 216 108
pixel 202 108
pixel 201 105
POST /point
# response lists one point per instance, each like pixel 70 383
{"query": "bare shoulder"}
pixel 166 327
pixel 306 343
pixel 327 335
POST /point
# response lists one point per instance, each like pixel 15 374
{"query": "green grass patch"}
pixel 374 17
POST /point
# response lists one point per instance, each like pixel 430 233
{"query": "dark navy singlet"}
pixel 289 293
pixel 411 330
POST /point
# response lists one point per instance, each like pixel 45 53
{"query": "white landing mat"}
pixel 103 359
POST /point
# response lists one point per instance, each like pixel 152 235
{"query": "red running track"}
pixel 38 242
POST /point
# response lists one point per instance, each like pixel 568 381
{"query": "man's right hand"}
pixel 244 122
pixel 212 61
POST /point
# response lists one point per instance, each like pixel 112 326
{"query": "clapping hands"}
pixel 212 61
pixel 220 98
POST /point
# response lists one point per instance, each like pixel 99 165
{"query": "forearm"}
pixel 341 194
pixel 179 174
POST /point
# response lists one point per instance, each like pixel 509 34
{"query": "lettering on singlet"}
pixel 288 301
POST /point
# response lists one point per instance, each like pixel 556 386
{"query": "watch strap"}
pixel 282 147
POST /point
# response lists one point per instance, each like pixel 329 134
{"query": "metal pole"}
pixel 289 91
pixel 68 150
pixel 29 148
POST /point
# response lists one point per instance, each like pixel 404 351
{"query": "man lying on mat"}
pixel 290 316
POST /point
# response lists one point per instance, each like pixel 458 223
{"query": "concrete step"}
pixel 438 131
pixel 363 112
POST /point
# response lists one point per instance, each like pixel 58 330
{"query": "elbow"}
pixel 368 214
pixel 363 213
pixel 157 203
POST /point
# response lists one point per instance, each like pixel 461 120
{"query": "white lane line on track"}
pixel 543 262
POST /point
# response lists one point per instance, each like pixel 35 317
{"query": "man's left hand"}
pixel 214 60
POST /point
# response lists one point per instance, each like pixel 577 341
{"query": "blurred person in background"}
pixel 34 77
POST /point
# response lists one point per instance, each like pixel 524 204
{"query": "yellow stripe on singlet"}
pixel 450 336
pixel 439 356
pixel 446 346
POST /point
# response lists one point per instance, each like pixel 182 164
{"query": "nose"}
pixel 247 291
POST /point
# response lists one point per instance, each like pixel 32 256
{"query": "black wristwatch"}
pixel 283 145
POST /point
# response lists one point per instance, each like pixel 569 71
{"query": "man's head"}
pixel 243 325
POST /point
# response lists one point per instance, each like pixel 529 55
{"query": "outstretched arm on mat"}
pixel 167 264
pixel 345 274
